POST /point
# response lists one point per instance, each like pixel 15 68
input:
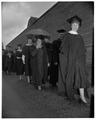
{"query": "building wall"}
pixel 56 18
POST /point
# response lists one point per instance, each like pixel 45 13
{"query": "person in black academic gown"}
pixel 19 62
pixel 55 58
pixel 26 59
pixel 48 48
pixel 72 74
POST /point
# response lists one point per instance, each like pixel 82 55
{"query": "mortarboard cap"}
pixel 61 31
pixel 19 45
pixel 74 18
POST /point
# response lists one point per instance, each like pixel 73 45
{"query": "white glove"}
pixel 23 59
pixel 48 64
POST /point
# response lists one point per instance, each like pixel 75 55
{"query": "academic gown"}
pixel 55 62
pixel 45 63
pixel 49 49
pixel 72 69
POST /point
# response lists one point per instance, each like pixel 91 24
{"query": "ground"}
pixel 22 100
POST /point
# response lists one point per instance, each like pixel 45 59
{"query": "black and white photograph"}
pixel 47 59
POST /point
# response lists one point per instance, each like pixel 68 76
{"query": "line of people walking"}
pixel 61 62
pixel 38 60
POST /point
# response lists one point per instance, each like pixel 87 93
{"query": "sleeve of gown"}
pixel 45 54
pixel 64 46
pixel 39 57
pixel 56 45
pixel 16 54
pixel 24 50
pixel 81 53
pixel 34 52
pixel 40 61
pixel 81 50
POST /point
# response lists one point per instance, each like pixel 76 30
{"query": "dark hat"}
pixel 74 18
pixel 61 31
pixel 19 45
pixel 9 46
pixel 29 36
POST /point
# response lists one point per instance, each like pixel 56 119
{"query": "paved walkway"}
pixel 22 100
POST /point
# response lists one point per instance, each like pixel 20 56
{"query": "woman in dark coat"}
pixel 9 62
pixel 14 61
pixel 33 60
pixel 39 64
pixel 19 62
pixel 26 57
pixel 3 60
pixel 72 74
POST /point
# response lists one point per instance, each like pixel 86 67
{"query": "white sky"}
pixel 15 16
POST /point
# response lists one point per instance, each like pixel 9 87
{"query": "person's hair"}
pixel 19 45
pixel 29 39
pixel 76 21
pixel 29 36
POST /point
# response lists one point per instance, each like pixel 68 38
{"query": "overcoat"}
pixel 8 62
pixel 27 66
pixel 38 65
pixel 19 63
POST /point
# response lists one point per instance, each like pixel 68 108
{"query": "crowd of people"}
pixel 61 62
